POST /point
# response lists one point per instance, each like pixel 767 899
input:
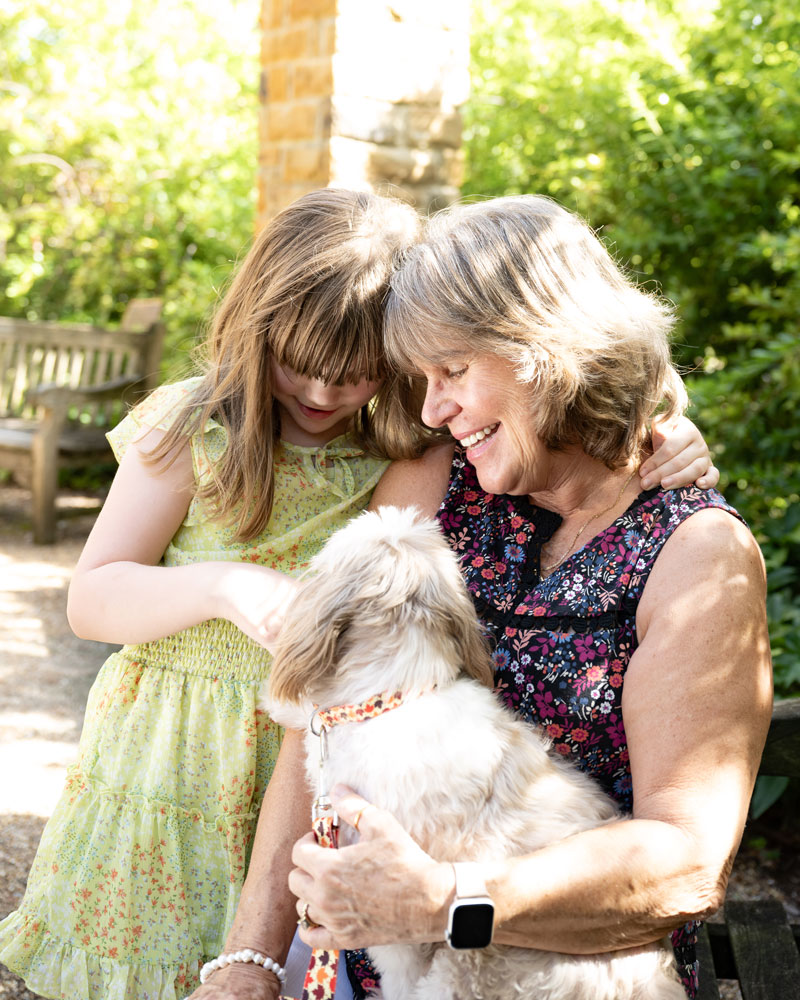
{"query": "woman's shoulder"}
pixel 661 512
pixel 715 553
pixel 708 527
pixel 682 503
pixel 690 525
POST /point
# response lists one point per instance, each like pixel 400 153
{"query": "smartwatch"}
pixel 471 917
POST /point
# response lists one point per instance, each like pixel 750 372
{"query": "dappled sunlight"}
pixel 18 647
pixel 45 674
pixel 33 771
pixel 35 575
pixel 38 722
pixel 22 631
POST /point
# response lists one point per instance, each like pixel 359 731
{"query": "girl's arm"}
pixel 120 594
pixel 696 703
pixel 680 457
pixel 419 482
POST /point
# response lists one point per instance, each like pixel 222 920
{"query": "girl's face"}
pixel 313 412
pixel 491 414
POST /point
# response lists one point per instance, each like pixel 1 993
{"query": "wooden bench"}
pixel 756 944
pixel 61 388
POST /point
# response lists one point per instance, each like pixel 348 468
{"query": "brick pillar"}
pixel 362 94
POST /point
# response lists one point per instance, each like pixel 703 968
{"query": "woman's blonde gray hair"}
pixel 523 278
pixel 310 295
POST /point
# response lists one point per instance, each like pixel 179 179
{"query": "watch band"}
pixel 469 879
pixel 470 921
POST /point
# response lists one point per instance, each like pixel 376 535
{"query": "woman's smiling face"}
pixel 491 414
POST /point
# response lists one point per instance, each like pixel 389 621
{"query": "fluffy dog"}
pixel 384 609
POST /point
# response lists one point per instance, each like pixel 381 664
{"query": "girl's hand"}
pixel 382 890
pixel 254 598
pixel 242 981
pixel 680 457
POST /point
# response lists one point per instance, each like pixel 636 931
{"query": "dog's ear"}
pixel 440 593
pixel 471 644
pixel 307 649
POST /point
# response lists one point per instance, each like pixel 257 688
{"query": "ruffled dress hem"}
pixel 61 970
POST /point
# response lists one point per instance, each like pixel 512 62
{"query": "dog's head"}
pixel 382 607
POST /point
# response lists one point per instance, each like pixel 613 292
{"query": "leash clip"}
pixel 323 815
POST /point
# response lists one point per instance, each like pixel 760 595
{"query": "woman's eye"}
pixel 454 373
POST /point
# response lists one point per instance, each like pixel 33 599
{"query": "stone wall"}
pixel 362 94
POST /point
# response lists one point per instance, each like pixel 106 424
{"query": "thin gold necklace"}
pixel 548 566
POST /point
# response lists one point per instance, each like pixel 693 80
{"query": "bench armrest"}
pixel 60 397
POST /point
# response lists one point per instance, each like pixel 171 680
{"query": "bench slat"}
pixel 55 335
pixel 764 950
pixel 781 755
pixel 53 380
pixel 707 988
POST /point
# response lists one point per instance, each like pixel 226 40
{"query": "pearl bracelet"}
pixel 245 955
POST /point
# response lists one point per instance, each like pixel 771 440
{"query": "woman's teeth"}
pixel 473 439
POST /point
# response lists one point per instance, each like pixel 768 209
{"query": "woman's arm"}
pixel 119 593
pixel 696 704
pixel 266 918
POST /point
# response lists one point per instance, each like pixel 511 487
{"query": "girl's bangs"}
pixel 344 353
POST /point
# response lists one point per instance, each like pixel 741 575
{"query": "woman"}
pixel 631 625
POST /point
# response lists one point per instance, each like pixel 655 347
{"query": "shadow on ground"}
pixel 45 676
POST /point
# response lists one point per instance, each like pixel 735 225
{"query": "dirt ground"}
pixel 45 676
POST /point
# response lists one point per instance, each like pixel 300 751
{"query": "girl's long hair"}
pixel 310 295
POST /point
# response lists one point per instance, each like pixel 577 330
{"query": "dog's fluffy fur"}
pixel 384 608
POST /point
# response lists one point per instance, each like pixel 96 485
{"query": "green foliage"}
pixel 766 793
pixel 672 126
pixel 127 157
pixel 127 163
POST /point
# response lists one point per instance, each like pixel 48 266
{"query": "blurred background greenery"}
pixel 128 146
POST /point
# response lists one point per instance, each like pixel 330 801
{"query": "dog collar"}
pixel 371 708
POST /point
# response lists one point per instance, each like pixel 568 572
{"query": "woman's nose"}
pixel 438 408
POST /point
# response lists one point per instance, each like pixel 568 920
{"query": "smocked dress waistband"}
pixel 215 649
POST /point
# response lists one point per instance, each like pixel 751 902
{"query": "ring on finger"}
pixel 304 921
pixel 359 814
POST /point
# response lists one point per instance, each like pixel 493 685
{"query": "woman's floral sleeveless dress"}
pixel 562 644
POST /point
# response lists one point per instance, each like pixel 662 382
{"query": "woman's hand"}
pixel 242 981
pixel 680 457
pixel 255 599
pixel 382 890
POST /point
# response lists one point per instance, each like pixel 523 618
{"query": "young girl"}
pixel 228 483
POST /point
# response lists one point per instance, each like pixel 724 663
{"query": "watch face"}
pixel 471 925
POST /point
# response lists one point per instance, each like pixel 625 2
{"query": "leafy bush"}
pixel 128 154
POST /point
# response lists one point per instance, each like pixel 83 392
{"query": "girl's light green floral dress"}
pixel 139 870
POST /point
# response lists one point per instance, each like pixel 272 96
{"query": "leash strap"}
pixel 320 981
